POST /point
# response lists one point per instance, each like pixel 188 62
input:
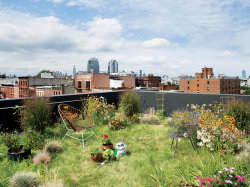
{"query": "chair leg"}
pixel 175 146
pixel 65 135
pixel 194 147
pixel 172 143
pixel 83 141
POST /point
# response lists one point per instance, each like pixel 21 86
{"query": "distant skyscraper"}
pixel 244 75
pixel 93 65
pixel 140 73
pixel 74 71
pixel 113 67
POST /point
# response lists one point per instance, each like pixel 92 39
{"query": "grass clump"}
pixel 53 147
pixel 129 103
pixel 36 114
pixel 42 158
pixel 25 179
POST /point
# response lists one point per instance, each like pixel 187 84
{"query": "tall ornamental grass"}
pixel 240 110
pixel 36 114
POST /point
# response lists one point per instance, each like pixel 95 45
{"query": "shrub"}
pixel 25 179
pixel 129 103
pixel 241 112
pixel 42 158
pixel 53 147
pixel 35 114
pixel 161 114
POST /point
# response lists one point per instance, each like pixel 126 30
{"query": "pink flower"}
pixel 226 169
pixel 220 172
pixel 202 180
pixel 241 178
pixel 231 171
pixel 198 177
pixel 209 185
pixel 201 185
pixel 209 179
pixel 216 179
pixel 228 182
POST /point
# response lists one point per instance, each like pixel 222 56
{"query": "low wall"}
pixel 169 101
pixel 173 101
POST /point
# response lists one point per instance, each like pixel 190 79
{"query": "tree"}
pixel 43 71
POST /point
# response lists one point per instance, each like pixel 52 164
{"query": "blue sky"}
pixel 160 37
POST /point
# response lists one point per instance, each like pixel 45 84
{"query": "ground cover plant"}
pixel 149 160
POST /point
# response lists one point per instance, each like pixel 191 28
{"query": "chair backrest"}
pixel 71 115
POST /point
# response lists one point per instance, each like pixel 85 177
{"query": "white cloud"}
pixel 56 1
pixel 226 53
pixel 156 43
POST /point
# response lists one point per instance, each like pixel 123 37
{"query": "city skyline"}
pixel 152 36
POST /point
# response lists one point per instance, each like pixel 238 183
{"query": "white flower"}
pixel 185 135
pixel 209 145
pixel 198 137
pixel 208 140
pixel 204 140
pixel 211 149
pixel 104 118
pixel 200 144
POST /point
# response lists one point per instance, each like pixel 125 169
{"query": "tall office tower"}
pixel 140 73
pixel 244 75
pixel 93 65
pixel 113 67
pixel 74 71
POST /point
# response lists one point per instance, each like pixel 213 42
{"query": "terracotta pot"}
pixel 96 159
pixel 22 154
pixel 104 146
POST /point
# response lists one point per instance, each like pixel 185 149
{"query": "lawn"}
pixel 149 160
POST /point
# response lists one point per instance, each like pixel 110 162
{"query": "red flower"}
pixel 105 136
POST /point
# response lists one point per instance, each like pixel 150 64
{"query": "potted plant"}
pixel 106 142
pixel 108 154
pixel 19 144
pixel 96 156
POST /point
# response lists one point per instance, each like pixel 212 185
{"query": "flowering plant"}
pixel 117 122
pixel 215 130
pixel 107 139
pixel 12 141
pixel 23 141
pixel 227 177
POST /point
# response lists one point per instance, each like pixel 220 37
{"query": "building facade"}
pixel 85 83
pixel 244 74
pixel 112 67
pixel 206 82
pixel 93 65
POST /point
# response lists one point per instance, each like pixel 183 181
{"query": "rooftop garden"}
pixel 129 148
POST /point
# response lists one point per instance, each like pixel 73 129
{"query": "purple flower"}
pixel 15 132
pixel 231 171
pixel 7 139
pixel 230 176
pixel 11 134
pixel 228 182
pixel 226 169
pixel 30 131
pixel 220 172
pixel 248 183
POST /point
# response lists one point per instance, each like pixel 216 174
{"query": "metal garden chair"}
pixel 186 129
pixel 72 116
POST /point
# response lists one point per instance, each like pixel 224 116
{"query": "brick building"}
pixel 90 82
pixel 168 87
pixel 10 91
pixel 206 82
pixel 148 81
pixel 27 85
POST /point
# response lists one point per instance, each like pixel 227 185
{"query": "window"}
pixel 188 82
pixel 198 79
pixel 87 85
pixel 208 88
pixel 198 85
pixel 188 88
pixel 198 91
pixel 79 84
pixel 207 82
